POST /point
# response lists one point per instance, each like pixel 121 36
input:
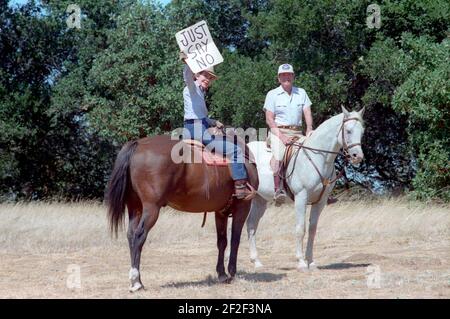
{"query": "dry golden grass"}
pixel 409 242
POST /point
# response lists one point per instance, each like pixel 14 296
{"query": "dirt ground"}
pixel 381 249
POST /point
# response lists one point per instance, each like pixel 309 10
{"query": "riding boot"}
pixel 280 194
pixel 243 190
pixel 331 200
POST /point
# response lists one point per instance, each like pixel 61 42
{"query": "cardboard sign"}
pixel 197 43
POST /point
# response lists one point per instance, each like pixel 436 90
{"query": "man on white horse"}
pixel 310 176
pixel 284 107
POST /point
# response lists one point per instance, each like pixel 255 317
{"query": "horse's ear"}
pixel 344 110
pixel 361 112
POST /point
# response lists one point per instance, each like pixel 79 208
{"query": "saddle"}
pixel 288 155
pixel 208 157
pixel 213 159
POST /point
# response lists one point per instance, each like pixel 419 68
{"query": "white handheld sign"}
pixel 197 43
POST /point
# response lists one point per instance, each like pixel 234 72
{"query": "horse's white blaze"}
pixel 304 181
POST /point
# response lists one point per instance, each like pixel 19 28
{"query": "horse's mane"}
pixel 334 121
pixel 340 117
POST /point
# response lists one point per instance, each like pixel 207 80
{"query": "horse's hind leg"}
pixel 137 234
pixel 221 228
pixel 240 213
pixel 134 216
pixel 257 209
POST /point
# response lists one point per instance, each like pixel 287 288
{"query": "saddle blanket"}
pixel 208 157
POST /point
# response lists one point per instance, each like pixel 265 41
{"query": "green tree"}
pixel 341 61
pixel 82 157
pixel 44 145
pixel 70 97
pixel 413 78
pixel 236 100
pixel 135 84
pixel 228 21
pixel 424 97
pixel 30 50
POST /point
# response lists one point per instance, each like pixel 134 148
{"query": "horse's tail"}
pixel 117 186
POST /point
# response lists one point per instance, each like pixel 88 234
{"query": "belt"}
pixel 291 127
pixel 191 121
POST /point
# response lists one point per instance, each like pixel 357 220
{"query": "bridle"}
pixel 345 146
pixel 325 181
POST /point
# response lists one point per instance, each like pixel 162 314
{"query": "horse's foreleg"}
pixel 221 228
pixel 137 235
pixel 300 212
pixel 257 209
pixel 316 209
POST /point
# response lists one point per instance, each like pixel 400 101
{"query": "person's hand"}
pixel 183 56
pixel 219 125
pixel 285 139
pixel 309 132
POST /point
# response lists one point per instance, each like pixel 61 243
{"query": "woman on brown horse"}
pixel 196 123
pixel 146 178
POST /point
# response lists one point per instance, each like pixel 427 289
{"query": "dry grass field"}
pixel 379 249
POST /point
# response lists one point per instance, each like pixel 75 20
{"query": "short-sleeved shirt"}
pixel 288 109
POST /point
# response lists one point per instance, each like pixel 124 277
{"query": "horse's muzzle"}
pixel 356 157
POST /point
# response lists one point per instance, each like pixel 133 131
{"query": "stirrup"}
pixel 245 195
pixel 331 200
pixel 279 197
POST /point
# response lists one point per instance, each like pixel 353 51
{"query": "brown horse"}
pixel 145 178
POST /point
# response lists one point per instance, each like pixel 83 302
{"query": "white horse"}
pixel 310 171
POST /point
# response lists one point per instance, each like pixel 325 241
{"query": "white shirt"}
pixel 194 97
pixel 288 109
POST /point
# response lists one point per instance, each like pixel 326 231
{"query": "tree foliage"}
pixel 70 97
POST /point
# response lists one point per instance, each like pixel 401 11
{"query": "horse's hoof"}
pixel 312 266
pixel 224 279
pixel 136 287
pixel 302 266
pixel 229 280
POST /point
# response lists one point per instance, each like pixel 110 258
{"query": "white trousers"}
pixel 277 146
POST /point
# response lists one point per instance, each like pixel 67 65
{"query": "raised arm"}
pixel 188 77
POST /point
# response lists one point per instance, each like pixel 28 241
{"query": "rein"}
pixel 325 181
